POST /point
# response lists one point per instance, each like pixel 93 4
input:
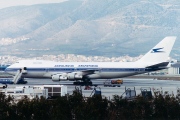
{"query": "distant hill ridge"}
pixel 89 27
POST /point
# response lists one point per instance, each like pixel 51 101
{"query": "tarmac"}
pixel 165 83
pixel 158 77
pixel 165 86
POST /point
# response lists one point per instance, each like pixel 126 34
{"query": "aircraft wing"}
pixel 88 72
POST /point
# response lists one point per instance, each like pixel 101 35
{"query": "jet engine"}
pixel 73 76
pixel 67 76
pixel 59 77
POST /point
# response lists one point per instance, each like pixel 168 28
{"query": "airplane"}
pixel 156 59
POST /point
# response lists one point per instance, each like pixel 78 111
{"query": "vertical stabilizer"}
pixel 160 53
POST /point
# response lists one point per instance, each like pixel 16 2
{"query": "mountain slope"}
pixel 89 27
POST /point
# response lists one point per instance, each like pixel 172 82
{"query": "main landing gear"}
pixel 86 82
pixel 83 83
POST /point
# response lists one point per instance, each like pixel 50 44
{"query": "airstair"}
pixel 146 92
pixel 17 77
pixel 130 93
pixel 96 91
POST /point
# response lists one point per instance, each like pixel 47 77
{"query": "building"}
pixel 174 69
pixel 46 91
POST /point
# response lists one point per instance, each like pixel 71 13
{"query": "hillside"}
pixel 89 27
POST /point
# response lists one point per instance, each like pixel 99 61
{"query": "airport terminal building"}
pixel 174 69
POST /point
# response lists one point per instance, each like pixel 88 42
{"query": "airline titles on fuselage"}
pixel 64 66
pixel 92 66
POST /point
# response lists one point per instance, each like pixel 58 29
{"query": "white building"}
pixel 46 91
pixel 174 69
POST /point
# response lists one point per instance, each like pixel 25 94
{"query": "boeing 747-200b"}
pixel 156 59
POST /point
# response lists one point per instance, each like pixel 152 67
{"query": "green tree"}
pixel 138 108
pixel 166 108
pixel 24 109
pixel 61 109
pixel 95 108
pixel 76 102
pixel 143 108
pixel 6 110
pixel 41 108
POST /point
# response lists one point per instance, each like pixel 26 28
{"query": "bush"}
pixel 93 108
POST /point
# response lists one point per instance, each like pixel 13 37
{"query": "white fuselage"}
pixel 101 70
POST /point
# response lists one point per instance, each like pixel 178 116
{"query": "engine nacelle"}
pixel 73 76
pixel 59 77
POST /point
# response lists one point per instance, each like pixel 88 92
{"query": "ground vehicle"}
pixel 113 83
pixel 88 88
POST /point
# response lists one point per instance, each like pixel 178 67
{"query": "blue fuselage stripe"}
pixel 80 69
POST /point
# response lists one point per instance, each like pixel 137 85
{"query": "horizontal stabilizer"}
pixel 160 65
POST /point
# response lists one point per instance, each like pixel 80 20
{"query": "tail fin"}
pixel 160 52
